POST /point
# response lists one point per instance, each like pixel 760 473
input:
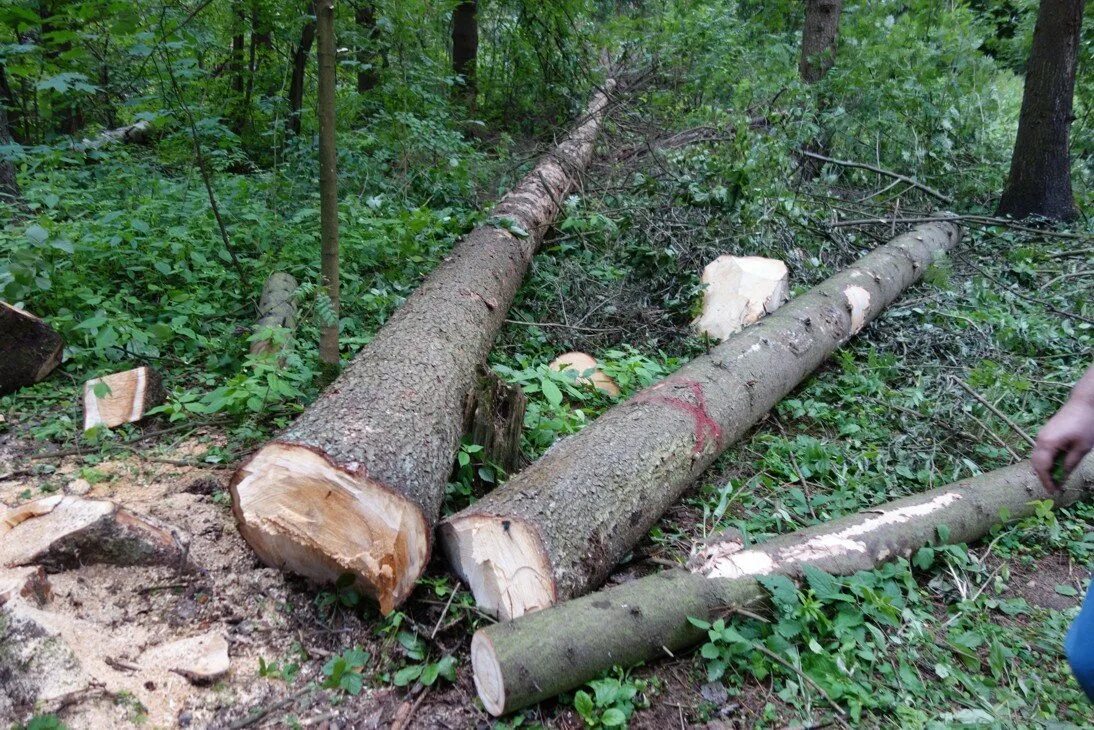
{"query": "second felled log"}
pixel 355 485
pixel 555 530
pixel 29 349
pixel 276 314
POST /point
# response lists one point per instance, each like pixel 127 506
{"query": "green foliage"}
pixel 344 671
pixel 421 669
pixel 612 701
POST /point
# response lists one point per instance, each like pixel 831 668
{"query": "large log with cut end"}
pixel 543 654
pixel 356 483
pixel 29 349
pixel 558 528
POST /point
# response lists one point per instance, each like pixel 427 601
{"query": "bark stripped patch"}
pixel 705 426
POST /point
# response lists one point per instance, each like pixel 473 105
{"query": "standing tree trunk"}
pixel 9 186
pixel 1040 168
pixel 558 528
pixel 356 483
pixel 328 179
pixel 465 44
pixel 367 75
pixel 299 75
pixel 237 110
pixel 819 34
pixel 543 654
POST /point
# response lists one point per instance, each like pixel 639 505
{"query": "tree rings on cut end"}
pixel 302 513
pixel 504 563
pixel 489 681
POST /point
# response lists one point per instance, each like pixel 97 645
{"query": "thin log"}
pixel 557 529
pixel 356 483
pixel 276 314
pixel 543 654
pixel 29 349
pixel 881 171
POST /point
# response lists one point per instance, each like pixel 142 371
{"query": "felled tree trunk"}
pixel 558 528
pixel 540 655
pixel 136 133
pixel 355 485
pixel 1039 183
pixel 29 349
pixel 276 311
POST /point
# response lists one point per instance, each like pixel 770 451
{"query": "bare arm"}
pixel 1069 434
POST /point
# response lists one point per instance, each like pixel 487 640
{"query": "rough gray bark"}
pixel 356 483
pixel 558 528
pixel 276 310
pixel 136 133
pixel 545 653
pixel 819 34
pixel 328 179
pixel 818 54
pixel 29 349
pixel 1040 170
pixel 369 34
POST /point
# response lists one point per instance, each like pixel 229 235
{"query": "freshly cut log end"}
pixel 64 531
pixel 29 349
pixel 588 371
pixel 503 562
pixel 303 514
pixel 740 291
pixel 128 398
pixel 489 680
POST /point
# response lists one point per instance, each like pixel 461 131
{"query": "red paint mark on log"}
pixel 705 426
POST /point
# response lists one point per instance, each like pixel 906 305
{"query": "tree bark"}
pixel 1040 169
pixel 355 485
pixel 367 76
pixel 328 179
pixel 558 528
pixel 299 75
pixel 465 44
pixel 9 185
pixel 818 54
pixel 29 349
pixel 237 111
pixel 276 311
pixel 543 654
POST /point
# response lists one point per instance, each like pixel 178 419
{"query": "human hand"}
pixel 1068 435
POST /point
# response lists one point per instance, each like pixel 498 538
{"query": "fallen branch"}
pixel 889 173
pixel 557 529
pixel 356 483
pixel 984 402
pixel 545 653
pixel 979 220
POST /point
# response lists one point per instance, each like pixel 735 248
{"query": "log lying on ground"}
pixel 558 528
pixel 276 311
pixel 356 483
pixel 136 133
pixel 61 532
pixel 124 397
pixel 29 349
pixel 545 653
